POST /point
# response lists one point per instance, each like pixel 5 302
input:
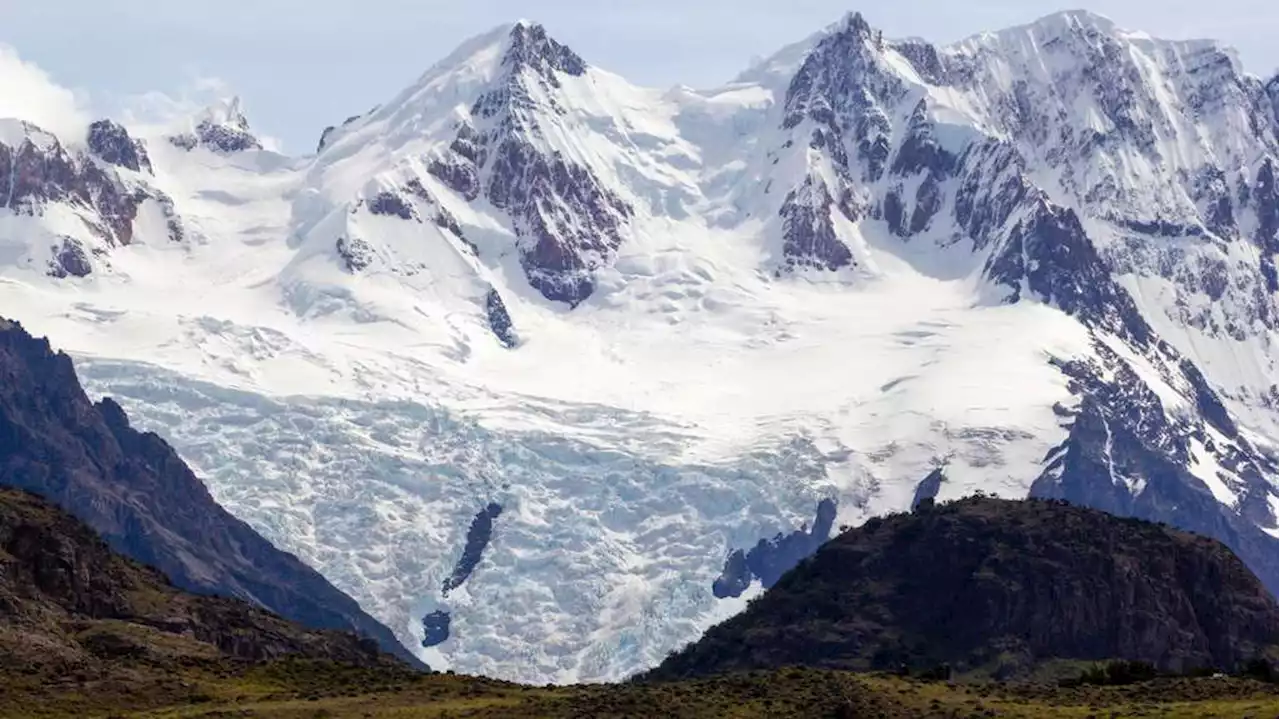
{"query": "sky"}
pixel 300 65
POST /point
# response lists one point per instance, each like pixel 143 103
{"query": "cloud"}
pixel 30 94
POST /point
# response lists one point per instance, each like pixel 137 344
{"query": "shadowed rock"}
pixel 771 558
pixel 112 143
pixel 478 535
pixel 998 587
pixel 57 573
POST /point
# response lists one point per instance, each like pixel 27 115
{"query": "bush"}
pixel 1117 673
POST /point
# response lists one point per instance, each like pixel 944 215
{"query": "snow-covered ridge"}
pixel 640 330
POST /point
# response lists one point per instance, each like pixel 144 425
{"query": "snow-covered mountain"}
pixel 529 360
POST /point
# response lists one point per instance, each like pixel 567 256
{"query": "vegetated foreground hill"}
pixel 135 491
pixel 68 602
pixel 999 586
pixel 84 631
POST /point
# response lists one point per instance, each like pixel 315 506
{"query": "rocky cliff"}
pixel 999 586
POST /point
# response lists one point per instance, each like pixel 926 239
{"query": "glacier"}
pixel 657 326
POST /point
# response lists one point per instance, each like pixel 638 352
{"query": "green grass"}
pixel 306 689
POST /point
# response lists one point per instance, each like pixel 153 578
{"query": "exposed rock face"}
pixel 435 627
pixel 328 132
pixel 136 492
pixel 809 237
pixel 1124 455
pixel 928 488
pixel 771 558
pixel 56 572
pixel 222 128
pixel 499 319
pixel 478 535
pixel 531 47
pixel 390 203
pixel 44 173
pixel 356 254
pixel 837 98
pixel 999 586
pixel 111 142
pixel 69 259
pixel 568 222
pixel 1267 234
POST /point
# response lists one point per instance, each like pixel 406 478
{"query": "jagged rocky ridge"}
pixel 222 128
pixel 46 176
pixel 999 587
pixel 568 223
pixel 1069 242
pixel 135 491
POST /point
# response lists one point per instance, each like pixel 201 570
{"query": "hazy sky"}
pixel 302 64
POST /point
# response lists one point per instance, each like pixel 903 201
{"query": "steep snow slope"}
pixel 652 328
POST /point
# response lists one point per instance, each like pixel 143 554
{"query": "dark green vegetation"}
pixel 310 689
pixel 999 588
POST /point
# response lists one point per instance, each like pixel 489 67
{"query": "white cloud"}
pixel 30 94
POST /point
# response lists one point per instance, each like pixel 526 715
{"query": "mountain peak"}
pixel 221 127
pixel 530 46
pixel 225 111
pixel 854 22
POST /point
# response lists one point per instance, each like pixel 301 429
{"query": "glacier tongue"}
pixel 654 328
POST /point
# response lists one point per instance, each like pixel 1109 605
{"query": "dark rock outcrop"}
pixel 226 138
pixel 56 573
pixel 569 223
pixel 927 490
pixel 134 490
pixel 499 319
pixel 771 558
pixel 478 536
pixel 1124 455
pixel 328 131
pixel 999 586
pixel 808 235
pixel 1050 251
pixel 223 129
pixel 43 172
pixel 435 627
pixel 111 142
pixel 531 47
pixel 69 259
pixel 390 204
pixel 356 254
